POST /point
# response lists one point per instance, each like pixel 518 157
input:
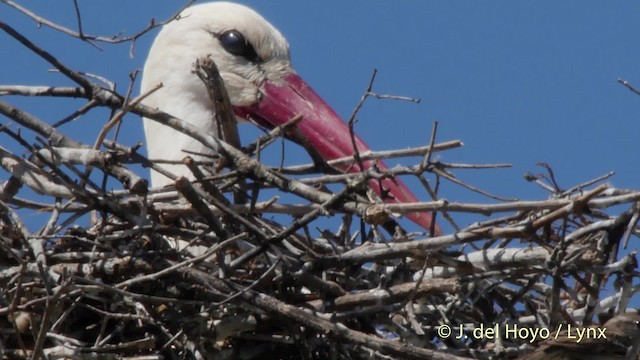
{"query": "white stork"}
pixel 254 62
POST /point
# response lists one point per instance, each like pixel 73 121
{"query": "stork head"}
pixel 254 62
pixel 247 49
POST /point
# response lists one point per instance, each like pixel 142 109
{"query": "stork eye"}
pixel 235 43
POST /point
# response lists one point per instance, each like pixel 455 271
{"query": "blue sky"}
pixel 518 82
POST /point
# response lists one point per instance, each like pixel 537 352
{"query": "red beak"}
pixel 323 133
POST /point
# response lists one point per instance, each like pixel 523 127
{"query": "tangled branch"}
pixel 200 270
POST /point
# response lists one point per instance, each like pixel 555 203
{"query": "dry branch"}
pixel 201 270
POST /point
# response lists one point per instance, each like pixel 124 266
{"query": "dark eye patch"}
pixel 235 43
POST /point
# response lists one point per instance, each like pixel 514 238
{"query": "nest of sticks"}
pixel 192 272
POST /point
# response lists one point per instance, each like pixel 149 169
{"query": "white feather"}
pixel 170 62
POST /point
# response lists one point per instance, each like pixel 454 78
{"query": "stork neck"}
pixel 187 101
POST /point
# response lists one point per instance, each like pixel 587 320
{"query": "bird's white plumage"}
pixel 170 62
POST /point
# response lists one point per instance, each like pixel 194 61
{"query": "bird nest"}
pixel 204 269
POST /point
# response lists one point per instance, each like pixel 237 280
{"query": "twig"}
pixel 114 39
pixel 629 86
